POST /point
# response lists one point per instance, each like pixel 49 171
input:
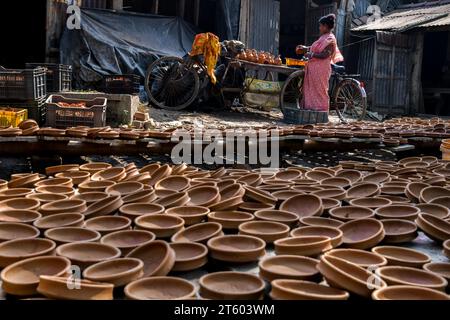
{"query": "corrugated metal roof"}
pixel 414 17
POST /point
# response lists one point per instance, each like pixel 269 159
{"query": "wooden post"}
pixel 117 4
pixel 416 83
pixel 155 7
pixel 181 8
pixel 196 12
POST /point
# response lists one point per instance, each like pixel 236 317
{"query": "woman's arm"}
pixel 326 53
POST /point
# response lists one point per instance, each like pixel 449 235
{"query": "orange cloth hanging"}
pixel 208 45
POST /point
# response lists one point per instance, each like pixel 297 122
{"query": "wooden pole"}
pixel 196 12
pixel 155 6
pixel 416 83
pixel 181 8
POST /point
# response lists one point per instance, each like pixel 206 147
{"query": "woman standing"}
pixel 321 54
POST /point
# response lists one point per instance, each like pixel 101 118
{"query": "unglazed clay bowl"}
pixel 44 198
pixel 395 275
pixel 198 233
pixel 124 188
pixel 429 193
pixel 85 254
pixel 258 195
pixel 203 196
pixel 439 268
pixel 405 212
pixel 104 207
pixel 23 181
pixel 288 267
pixel 413 190
pixel 230 219
pixel 255 206
pixel 362 233
pixel 160 288
pixel 303 205
pixel 19 216
pixel 399 256
pixel 94 186
pixel 371 202
pixel 158 258
pixel 174 183
pixel 127 240
pixel 55 182
pixel 362 258
pixel 334 234
pixel 15 193
pixel 90 197
pixel 399 230
pixel 135 210
pixel 268 231
pixel 57 288
pixel 163 226
pixel 19 249
pixel 144 196
pixel 190 215
pixel 435 228
pixel 189 256
pixel 94 167
pixel 377 177
pixel 119 272
pixel 13 230
pixel 108 224
pixel 236 248
pixel 352 175
pixel 22 278
pixel 111 174
pixel 408 293
pixel 304 290
pixel 174 200
pixel 320 221
pixel 362 190
pixel 64 235
pixel 303 246
pixel 19 204
pixel 63 206
pixel 50 171
pixel 59 220
pixel 67 191
pixel 349 213
pixel 231 286
pixel 285 217
pixel 330 193
pixel 436 210
pixel 345 275
pixel 77 177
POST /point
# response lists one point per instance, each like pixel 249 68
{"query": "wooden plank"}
pixel 181 6
pixel 155 7
pixel 416 77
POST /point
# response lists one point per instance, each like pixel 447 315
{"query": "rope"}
pixel 360 41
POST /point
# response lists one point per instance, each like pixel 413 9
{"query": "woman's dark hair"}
pixel 328 20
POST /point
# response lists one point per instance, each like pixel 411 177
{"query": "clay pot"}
pixel 203 196
pixel 303 246
pixel 288 267
pixel 399 231
pixel 159 174
pixel 64 235
pixel 190 215
pixel 163 226
pixel 127 240
pixel 19 204
pixel 362 233
pixel 429 193
pixel 230 219
pixel 25 181
pixel 77 177
pixel 394 275
pixel 345 275
pixel 174 200
pixel 414 189
pixel 408 293
pixel 57 288
pixel 285 217
pixel 231 286
pixel 304 290
pixel 349 213
pixel 19 216
pixel 377 177
pixel 435 228
pixel 259 195
pixel 104 207
pixel 15 193
pixel 236 248
pixel 67 182
pixel 85 254
pixel 353 175
pixel 11 231
pixel 436 210
pixel 440 268
pixel 406 257
pixel 334 234
pixel 303 205
pixel 111 174
pixel 22 278
pixel 51 171
pixel 320 221
pixel 158 258
pixel 189 256
pixel 144 196
pixel 198 233
pixel 45 198
pixel 160 288
pixel 255 206
pixel 63 206
pixel 371 202
pixel 59 220
pixel 90 197
pixel 332 193
pixel 362 258
pixel 20 249
pixel 174 183
pixel 95 186
pixel 443 201
pixel 67 191
pixel 362 190
pixel 268 231
pixel 108 224
pixel 124 188
pixel 118 272
pixel 135 210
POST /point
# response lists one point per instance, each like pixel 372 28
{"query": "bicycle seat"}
pixel 337 68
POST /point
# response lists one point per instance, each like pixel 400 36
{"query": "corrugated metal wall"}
pixel 312 21
pixel 96 4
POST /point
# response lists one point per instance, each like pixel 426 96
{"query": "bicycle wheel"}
pixel 350 99
pixel 292 91
pixel 170 84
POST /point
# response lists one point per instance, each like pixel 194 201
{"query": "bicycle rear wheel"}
pixel 350 100
pixel 292 91
pixel 170 84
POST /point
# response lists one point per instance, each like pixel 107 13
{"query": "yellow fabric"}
pixel 208 45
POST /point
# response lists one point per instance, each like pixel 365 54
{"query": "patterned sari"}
pixel 317 75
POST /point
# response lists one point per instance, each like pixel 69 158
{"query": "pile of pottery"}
pixel 133 232
pixel 260 57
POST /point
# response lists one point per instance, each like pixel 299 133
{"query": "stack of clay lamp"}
pixel 391 132
pixel 336 232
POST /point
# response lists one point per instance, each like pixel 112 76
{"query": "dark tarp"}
pixel 122 43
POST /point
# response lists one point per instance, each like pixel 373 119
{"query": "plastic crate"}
pixel 302 116
pixel 35 109
pixel 122 84
pixel 94 115
pixel 59 76
pixel 23 84
pixel 12 117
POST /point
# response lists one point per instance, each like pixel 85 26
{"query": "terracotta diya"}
pixel 303 205
pixel 320 221
pixel 15 193
pixel 12 230
pixel 144 196
pixel 288 267
pixel 362 258
pixel 399 230
pixel 236 248
pixel 160 288
pixel 108 224
pixel 44 198
pixel 127 240
pixel 303 246
pixel 158 258
pixel 362 233
pixel 163 226
pixel 112 174
pixel 230 219
pixel 395 275
pixel 436 210
pixel 268 231
pixel 118 272
pixel 85 254
pixel 446 246
pixel 399 256
pixel 124 188
pixel 19 249
pixel 19 204
pixel 429 193
pixel 435 228
pixel 362 190
pixel 255 206
pixel 135 210
pixel 77 177
pixel 95 186
pixel 55 182
pixel 231 286
pixel 335 234
pixel 439 268
pixel 190 215
pixel 90 197
pixel 189 256
pixel 349 213
pixel 371 202
pixel 63 235
pixel 174 200
pixel 175 183
pixel 59 220
pixel 68 191
pixel 63 206
pixel 304 290
pixel 285 217
pixel 19 216
pixel 403 292
pixel 104 207
pixel 198 233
